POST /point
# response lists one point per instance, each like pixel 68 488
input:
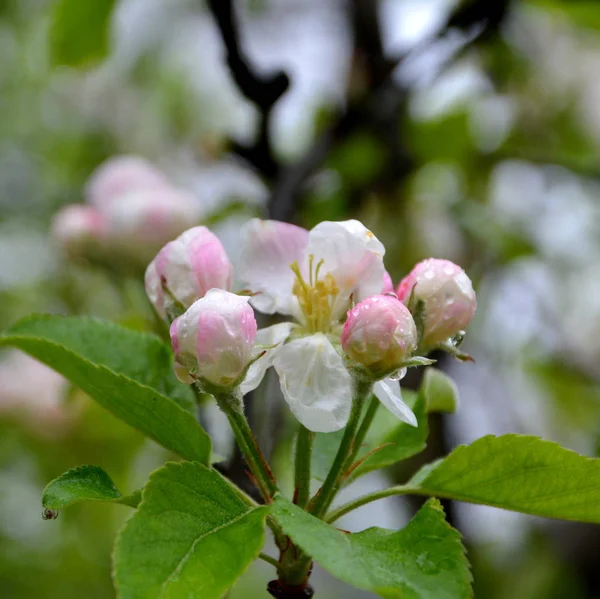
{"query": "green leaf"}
pixel 138 356
pixel 85 483
pixel 128 373
pixel 192 536
pixel 440 391
pixel 80 31
pixel 516 472
pixel 424 560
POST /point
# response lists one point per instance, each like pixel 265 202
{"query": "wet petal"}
pixel 389 394
pixel 315 383
pixel 352 254
pixel 268 247
pixel 267 341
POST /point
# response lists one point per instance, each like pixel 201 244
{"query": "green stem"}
pixel 268 559
pixel 296 570
pixel 365 499
pixel 322 500
pixel 231 404
pixel 365 425
pixel 304 445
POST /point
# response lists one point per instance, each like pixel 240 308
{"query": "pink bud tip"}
pixel 214 339
pixel 448 297
pixel 379 333
pixel 186 268
pixel 121 175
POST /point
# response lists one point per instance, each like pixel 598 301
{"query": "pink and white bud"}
pixel 388 284
pixel 448 299
pixel 186 268
pixel 379 333
pixel 79 230
pixel 121 175
pixel 141 222
pixel 214 339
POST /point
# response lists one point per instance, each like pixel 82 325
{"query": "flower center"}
pixel 315 296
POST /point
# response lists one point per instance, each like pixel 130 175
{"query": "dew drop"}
pixel 427 565
pixel 399 374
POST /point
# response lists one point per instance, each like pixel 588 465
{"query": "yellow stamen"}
pixel 315 298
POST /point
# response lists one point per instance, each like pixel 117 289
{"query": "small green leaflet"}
pixel 126 372
pixel 192 536
pixel 424 560
pixel 84 483
pixel 440 391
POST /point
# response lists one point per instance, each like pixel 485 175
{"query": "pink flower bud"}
pixel 121 175
pixel 186 268
pixel 141 222
pixel 379 333
pixel 79 230
pixel 388 284
pixel 448 297
pixel 215 337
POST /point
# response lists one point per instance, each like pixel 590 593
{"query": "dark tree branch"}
pixel 490 15
pixel 262 90
pixel 373 107
pixel 368 45
pixel 380 104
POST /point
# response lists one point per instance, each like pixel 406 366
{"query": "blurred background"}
pixel 460 130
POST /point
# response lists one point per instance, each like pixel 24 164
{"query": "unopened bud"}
pixel 214 339
pixel 446 296
pixel 380 334
pixel 79 231
pixel 121 175
pixel 141 222
pixel 185 269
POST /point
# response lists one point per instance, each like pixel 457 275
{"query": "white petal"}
pixel 389 394
pixel 315 383
pixel 352 254
pixel 270 338
pixel 268 247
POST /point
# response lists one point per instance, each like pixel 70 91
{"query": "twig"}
pixel 262 90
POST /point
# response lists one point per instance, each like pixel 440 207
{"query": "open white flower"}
pixel 313 276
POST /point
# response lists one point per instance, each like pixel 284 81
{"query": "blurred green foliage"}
pixel 80 31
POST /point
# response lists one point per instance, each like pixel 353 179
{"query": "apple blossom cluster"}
pixel 131 210
pixel 342 317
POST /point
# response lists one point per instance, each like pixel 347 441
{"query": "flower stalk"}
pixel 362 432
pixel 304 445
pixel 369 498
pixel 326 494
pixel 231 404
